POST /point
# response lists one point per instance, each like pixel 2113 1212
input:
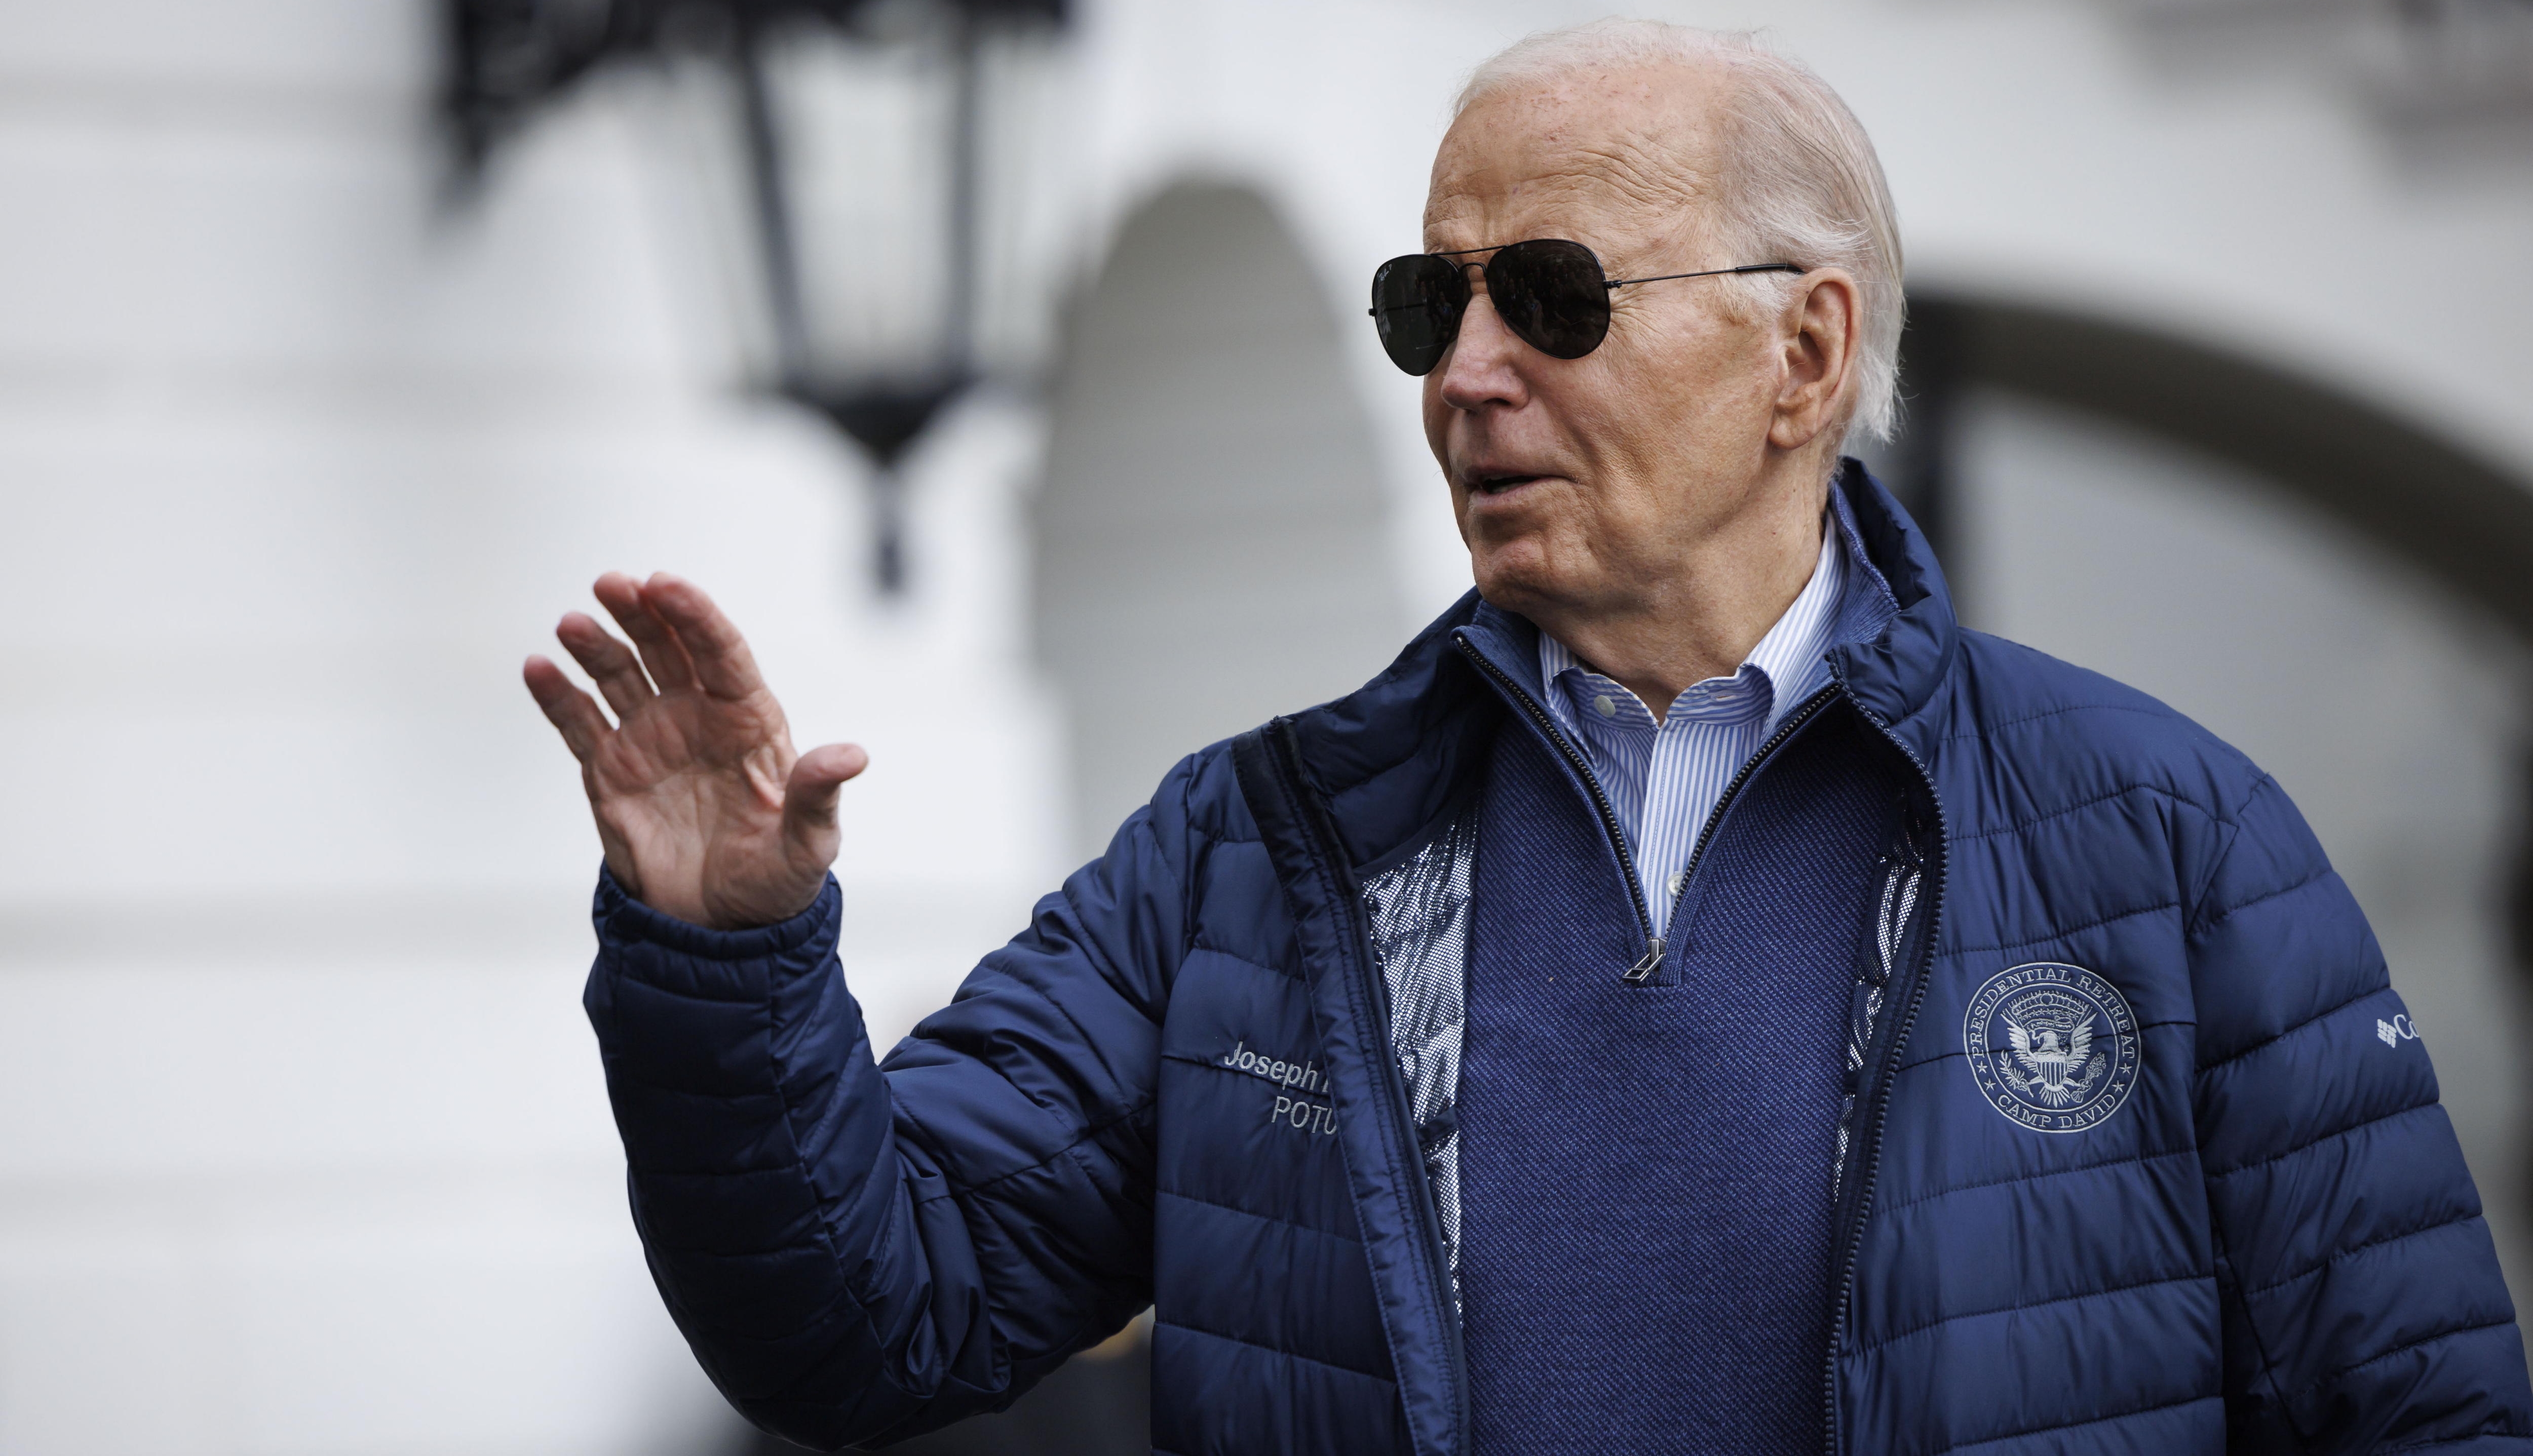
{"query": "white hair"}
pixel 1800 182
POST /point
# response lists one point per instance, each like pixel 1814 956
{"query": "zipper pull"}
pixel 1643 970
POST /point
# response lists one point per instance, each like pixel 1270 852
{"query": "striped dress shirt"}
pixel 1664 778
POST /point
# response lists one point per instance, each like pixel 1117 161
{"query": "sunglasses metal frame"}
pixel 1747 267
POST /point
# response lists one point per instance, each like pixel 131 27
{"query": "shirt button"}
pixel 1606 705
pixel 1679 878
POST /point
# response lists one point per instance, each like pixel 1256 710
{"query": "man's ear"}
pixel 1820 335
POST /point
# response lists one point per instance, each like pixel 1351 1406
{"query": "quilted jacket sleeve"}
pixel 859 1255
pixel 2364 1306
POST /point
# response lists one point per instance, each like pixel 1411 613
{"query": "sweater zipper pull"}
pixel 1643 970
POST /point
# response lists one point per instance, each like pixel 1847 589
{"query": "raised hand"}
pixel 704 811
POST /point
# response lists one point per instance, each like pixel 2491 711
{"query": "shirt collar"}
pixel 1789 661
pixel 1795 652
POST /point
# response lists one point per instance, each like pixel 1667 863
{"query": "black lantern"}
pixel 877 152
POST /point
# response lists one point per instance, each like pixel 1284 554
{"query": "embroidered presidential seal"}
pixel 2052 1046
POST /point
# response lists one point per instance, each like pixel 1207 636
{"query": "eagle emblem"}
pixel 2052 1046
pixel 2052 1036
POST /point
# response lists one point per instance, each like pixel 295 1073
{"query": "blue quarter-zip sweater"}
pixel 2122 1162
pixel 1647 1166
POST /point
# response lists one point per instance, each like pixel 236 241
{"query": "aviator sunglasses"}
pixel 1550 292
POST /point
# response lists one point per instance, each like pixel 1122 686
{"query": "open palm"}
pixel 705 811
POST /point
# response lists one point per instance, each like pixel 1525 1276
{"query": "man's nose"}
pixel 1483 366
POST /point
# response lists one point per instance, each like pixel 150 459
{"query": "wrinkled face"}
pixel 1578 482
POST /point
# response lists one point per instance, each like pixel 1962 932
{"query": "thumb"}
pixel 810 794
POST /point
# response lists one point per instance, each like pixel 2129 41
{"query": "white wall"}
pixel 306 1151
pixel 1208 545
pixel 306 1148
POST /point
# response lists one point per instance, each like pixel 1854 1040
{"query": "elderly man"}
pixel 1699 998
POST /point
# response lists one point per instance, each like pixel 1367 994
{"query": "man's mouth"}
pixel 1497 483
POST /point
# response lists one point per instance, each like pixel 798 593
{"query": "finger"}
pixel 722 664
pixel 608 663
pixel 622 596
pixel 809 796
pixel 573 712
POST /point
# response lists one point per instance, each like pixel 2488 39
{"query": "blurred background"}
pixel 1001 367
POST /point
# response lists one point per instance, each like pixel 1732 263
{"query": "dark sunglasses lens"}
pixel 1551 293
pixel 1417 301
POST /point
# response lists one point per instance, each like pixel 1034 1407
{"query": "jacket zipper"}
pixel 1393 1091
pixel 1637 973
pixel 1802 715
pixel 1642 971
pixel 1851 1234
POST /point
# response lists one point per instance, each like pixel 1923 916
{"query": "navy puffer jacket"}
pixel 2250 1227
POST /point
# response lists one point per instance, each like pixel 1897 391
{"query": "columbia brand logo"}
pixel 2396 1030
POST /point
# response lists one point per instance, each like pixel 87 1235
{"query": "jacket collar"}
pixel 1391 757
pixel 1894 674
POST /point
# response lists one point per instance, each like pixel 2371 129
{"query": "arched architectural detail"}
pixel 1210 547
pixel 2465 522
